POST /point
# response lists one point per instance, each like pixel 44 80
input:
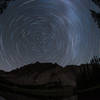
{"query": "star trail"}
pixel 61 31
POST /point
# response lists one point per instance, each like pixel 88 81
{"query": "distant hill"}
pixel 47 79
pixel 40 73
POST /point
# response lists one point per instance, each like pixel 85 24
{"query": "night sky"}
pixel 61 31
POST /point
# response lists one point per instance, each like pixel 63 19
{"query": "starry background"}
pixel 61 31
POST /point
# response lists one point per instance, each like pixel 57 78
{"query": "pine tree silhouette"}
pixel 96 15
pixel 95 60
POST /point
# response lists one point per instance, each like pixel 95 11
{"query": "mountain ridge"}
pixel 50 76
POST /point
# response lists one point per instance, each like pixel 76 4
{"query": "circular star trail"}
pixel 47 31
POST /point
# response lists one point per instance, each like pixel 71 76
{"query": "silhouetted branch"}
pixel 3 5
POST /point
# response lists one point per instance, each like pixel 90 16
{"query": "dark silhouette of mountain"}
pixel 46 80
pixel 38 80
